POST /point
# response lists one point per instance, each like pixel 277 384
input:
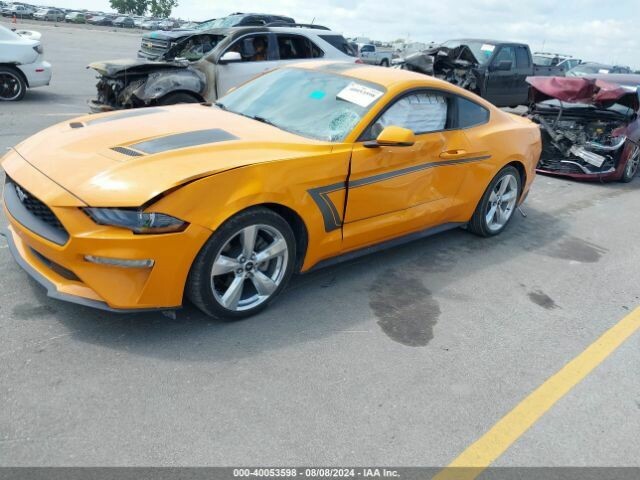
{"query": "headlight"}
pixel 136 220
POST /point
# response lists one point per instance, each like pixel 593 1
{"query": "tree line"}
pixel 156 8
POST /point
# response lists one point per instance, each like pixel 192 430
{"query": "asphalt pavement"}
pixel 402 358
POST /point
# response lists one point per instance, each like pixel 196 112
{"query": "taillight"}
pixel 359 60
pixel 38 48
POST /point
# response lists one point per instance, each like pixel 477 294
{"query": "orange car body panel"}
pixel 347 195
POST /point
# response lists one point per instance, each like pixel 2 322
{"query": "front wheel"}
pixel 498 203
pixel 631 168
pixel 244 266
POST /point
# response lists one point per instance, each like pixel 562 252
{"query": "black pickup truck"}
pixel 495 70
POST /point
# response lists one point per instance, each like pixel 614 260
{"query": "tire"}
pixel 12 85
pixel 487 226
pixel 176 98
pixel 243 286
pixel 384 62
pixel 631 168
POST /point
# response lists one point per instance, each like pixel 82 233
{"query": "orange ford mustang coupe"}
pixel 222 203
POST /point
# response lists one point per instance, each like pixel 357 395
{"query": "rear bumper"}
pixel 38 74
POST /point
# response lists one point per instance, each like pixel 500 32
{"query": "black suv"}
pixel 155 44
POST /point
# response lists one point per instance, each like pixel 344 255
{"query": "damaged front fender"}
pixel 160 84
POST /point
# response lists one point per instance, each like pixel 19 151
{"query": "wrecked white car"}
pixel 206 65
pixel 22 65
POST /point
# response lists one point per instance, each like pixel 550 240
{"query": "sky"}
pixel 594 30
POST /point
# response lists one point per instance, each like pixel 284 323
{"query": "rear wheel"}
pixel 12 85
pixel 631 168
pixel 175 98
pixel 244 265
pixel 498 203
pixel 384 62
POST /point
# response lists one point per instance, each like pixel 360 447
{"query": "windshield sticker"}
pixel 602 70
pixel 361 95
pixel 317 95
pixel 487 48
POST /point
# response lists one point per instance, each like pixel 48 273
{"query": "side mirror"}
pixel 393 136
pixel 502 66
pixel 230 57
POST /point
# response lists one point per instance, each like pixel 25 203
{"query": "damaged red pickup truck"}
pixel 590 127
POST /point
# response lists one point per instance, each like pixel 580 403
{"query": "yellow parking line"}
pixel 503 434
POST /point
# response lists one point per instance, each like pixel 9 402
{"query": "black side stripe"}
pixel 416 168
pixel 330 214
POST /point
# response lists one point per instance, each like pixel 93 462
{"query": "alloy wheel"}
pixel 502 202
pixel 633 163
pixel 10 86
pixel 249 268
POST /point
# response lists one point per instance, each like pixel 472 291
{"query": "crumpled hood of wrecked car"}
pixel 112 68
pixel 126 158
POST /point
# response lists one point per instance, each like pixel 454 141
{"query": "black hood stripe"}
pixel 126 114
pixel 183 140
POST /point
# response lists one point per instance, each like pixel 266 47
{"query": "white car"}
pixel 20 11
pixel 22 65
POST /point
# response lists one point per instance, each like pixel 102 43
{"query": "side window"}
pixel 252 48
pixel 339 42
pixel 293 47
pixel 469 113
pixel 419 112
pixel 522 58
pixel 505 54
pixel 366 48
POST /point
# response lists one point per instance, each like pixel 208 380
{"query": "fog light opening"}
pixel 120 262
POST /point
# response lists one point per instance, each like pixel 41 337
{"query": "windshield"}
pixel 545 61
pixel 482 51
pixel 195 47
pixel 224 22
pixel 313 104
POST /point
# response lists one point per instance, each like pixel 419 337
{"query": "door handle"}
pixel 452 154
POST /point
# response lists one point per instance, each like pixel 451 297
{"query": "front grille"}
pixel 32 213
pixel 37 208
pixel 154 45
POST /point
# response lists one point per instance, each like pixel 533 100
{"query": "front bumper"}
pixel 65 273
pixel 96 107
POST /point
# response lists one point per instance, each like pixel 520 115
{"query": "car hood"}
pixel 169 34
pixel 127 158
pixel 111 68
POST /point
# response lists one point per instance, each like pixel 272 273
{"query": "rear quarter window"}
pixel 340 43
pixel 469 114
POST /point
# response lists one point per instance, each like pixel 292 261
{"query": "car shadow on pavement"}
pixel 317 305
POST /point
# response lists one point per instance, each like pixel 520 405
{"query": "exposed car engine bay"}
pixel 588 129
pixel 455 65
pixel 580 144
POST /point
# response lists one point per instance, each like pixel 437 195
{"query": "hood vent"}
pixel 76 124
pixel 127 151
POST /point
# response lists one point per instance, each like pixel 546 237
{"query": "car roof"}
pixel 484 40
